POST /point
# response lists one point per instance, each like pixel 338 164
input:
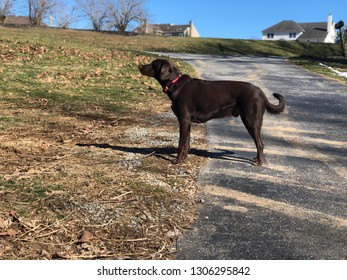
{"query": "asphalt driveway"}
pixel 295 205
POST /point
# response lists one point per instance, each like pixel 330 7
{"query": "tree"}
pixel 341 35
pixel 97 12
pixel 123 12
pixel 65 14
pixel 39 9
pixel 5 8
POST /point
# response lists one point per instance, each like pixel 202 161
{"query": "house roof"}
pixel 19 21
pixel 310 30
pixel 284 26
pixel 169 28
pixel 314 30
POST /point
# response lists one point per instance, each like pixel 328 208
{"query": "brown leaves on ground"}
pixel 86 237
pixel 85 147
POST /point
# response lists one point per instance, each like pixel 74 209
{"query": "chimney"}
pixel 330 23
pixel 190 28
pixel 145 31
pixel 50 21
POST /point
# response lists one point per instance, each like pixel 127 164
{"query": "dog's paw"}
pixel 176 161
pixel 257 162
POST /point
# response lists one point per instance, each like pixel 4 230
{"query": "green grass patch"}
pixel 313 64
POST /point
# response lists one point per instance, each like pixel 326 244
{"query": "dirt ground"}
pixel 85 144
pixel 79 187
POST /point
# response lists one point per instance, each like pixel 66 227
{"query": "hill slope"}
pixel 173 44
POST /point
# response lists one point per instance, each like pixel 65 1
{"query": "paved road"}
pixel 295 205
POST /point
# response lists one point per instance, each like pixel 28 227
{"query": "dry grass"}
pixel 314 65
pixel 86 143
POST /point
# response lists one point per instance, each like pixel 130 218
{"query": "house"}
pixel 289 30
pixel 184 30
pixel 19 21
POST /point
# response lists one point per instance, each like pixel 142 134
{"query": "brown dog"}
pixel 198 101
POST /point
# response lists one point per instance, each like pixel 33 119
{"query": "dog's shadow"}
pixel 169 153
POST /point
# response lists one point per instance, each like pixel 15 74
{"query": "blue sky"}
pixel 242 19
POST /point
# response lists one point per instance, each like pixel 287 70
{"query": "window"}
pixel 292 35
pixel 270 35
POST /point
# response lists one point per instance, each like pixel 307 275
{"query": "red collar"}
pixel 171 83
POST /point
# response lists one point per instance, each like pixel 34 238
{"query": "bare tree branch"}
pixel 96 11
pixel 39 9
pixel 5 8
pixel 65 14
pixel 124 12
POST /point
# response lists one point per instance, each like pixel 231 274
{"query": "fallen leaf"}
pixel 86 237
pixel 173 234
pixel 55 192
pixel 2 192
pixel 45 254
pixel 44 146
pixel 28 223
pixel 5 223
pixel 10 232
pixel 59 255
pixel 12 213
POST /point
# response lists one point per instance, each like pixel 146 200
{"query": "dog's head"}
pixel 160 69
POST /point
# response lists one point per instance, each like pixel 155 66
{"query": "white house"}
pixel 182 30
pixel 289 30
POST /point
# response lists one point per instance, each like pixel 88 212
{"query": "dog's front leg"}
pixel 183 146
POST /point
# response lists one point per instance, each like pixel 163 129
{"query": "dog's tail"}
pixel 275 109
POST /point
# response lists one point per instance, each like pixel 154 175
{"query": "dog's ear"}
pixel 166 70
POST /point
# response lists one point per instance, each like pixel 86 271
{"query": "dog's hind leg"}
pixel 260 149
pixel 254 127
